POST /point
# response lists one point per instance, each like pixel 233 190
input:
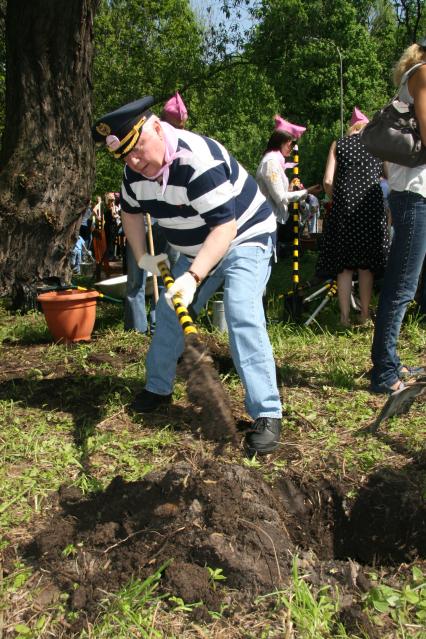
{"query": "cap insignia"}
pixel 103 128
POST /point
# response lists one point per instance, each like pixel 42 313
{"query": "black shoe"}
pixel 263 436
pixel 147 402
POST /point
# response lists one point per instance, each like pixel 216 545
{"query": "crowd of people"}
pixel 218 228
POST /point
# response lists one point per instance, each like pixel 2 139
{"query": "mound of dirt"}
pixel 215 515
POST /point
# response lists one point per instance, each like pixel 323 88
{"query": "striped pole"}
pixel 295 218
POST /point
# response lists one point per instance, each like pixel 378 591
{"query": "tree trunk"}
pixel 47 156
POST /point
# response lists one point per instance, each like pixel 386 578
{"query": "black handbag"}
pixel 393 134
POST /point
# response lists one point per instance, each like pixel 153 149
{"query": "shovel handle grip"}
pixel 101 295
pixel 183 316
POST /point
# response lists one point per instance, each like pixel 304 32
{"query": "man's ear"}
pixel 157 128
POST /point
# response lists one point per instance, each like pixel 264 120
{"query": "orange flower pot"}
pixel 70 315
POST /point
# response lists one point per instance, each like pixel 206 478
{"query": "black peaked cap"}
pixel 121 122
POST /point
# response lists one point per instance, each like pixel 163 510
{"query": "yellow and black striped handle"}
pixel 296 219
pixel 184 317
pixel 332 289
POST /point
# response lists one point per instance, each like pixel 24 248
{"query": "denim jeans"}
pixel 134 303
pixel 422 291
pixel 400 281
pixel 244 272
pixel 134 306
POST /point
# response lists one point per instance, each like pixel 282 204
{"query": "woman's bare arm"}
pixel 417 88
pixel 330 170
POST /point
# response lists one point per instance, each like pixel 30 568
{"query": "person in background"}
pixel 76 257
pixel 135 315
pixel 385 190
pixel 271 176
pixel 99 240
pixel 407 202
pixel 326 205
pixel 175 112
pixel 86 225
pixel 312 203
pixel 119 248
pixel 212 212
pixel 355 238
pixel 110 225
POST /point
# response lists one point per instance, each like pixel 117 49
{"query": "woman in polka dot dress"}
pixel 355 236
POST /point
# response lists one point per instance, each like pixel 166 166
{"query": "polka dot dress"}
pixel 355 234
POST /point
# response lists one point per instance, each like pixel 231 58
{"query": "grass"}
pixel 131 610
pixel 310 615
pixel 63 420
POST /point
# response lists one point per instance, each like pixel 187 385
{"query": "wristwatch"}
pixel 196 277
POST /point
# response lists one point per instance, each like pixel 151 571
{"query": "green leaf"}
pixel 40 622
pixel 421 614
pixel 418 576
pixel 20 580
pixel 381 606
pixel 393 600
pixel 23 630
pixel 410 596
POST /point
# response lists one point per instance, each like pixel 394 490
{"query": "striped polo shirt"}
pixel 205 189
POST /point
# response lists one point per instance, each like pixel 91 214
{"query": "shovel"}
pixel 399 402
pixel 204 386
pixel 55 283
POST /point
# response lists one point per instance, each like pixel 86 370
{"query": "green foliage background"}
pixel 235 76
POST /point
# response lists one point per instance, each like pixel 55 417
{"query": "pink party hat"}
pixel 176 107
pixel 284 125
pixel 358 116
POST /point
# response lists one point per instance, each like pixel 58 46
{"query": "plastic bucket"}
pixel 218 315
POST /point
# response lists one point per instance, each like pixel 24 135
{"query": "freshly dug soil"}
pixel 217 515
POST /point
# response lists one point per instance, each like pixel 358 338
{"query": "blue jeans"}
pixel 400 281
pixel 422 292
pixel 244 272
pixel 76 258
pixel 134 304
pixel 313 223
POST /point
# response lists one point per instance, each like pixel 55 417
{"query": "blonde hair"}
pixel 355 128
pixel 411 56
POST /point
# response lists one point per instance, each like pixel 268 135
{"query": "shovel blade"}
pixel 399 402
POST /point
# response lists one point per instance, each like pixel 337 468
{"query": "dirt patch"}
pixel 215 515
pixel 387 522
pixel 212 514
pixel 205 390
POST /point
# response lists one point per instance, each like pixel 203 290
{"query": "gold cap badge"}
pixel 103 128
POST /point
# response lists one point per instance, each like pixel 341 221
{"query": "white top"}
pixel 404 178
pixel 274 184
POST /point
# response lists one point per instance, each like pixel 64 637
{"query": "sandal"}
pixel 407 372
pixel 385 389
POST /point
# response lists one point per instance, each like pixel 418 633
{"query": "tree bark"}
pixel 47 155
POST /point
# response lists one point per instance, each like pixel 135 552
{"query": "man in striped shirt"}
pixel 213 213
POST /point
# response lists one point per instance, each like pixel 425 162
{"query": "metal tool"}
pixel 152 252
pixel 54 283
pixel 399 402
